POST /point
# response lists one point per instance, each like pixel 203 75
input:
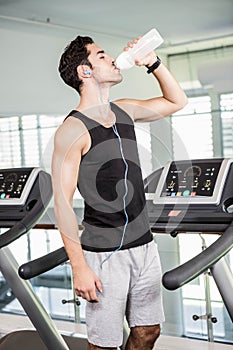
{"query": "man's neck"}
pixel 95 101
pixel 100 112
pixel 95 94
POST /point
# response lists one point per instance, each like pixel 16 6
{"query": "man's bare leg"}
pixel 142 337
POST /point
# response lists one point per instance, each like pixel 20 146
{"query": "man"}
pixel 115 267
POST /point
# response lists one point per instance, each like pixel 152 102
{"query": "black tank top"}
pixel 101 182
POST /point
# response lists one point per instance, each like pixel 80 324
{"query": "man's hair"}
pixel 75 54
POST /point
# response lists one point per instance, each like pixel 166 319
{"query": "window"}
pixel 192 130
pixel 142 131
pixel 24 139
pixel 194 297
pixel 10 150
pixel 28 141
pixel 226 105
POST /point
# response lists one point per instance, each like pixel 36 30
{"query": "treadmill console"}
pixel 197 181
pixel 24 196
pixel 16 184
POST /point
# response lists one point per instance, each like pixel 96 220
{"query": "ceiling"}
pixel 183 23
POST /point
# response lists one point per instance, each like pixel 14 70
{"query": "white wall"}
pixel 30 82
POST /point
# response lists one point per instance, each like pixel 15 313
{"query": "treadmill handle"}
pixel 43 264
pixel 186 272
pixel 12 234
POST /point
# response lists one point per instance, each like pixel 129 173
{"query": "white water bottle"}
pixel 145 44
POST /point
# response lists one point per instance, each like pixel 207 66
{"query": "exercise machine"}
pixel 184 196
pixel 196 196
pixel 24 196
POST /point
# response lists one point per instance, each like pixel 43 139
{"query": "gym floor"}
pixel 10 323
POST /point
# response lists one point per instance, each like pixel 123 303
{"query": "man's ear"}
pixel 84 71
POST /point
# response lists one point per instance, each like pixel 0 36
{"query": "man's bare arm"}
pixel 68 146
pixel 173 97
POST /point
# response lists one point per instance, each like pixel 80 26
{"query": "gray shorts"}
pixel 131 282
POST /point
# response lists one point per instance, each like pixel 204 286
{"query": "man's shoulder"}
pixel 125 105
pixel 72 130
pixel 71 125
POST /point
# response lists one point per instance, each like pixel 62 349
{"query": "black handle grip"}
pixel 12 234
pixel 186 272
pixel 43 264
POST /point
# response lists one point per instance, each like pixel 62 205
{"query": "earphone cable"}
pixel 114 127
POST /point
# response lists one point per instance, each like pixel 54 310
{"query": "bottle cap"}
pixel 124 61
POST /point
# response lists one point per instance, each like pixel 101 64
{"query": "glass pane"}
pixel 10 155
pixel 31 147
pixel 48 121
pixel 194 294
pixel 29 122
pixel 192 130
pixel 51 287
pixel 46 139
pixel 226 103
pixel 143 136
pixel 7 124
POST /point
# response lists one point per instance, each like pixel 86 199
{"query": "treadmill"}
pixel 24 196
pixel 196 196
pixel 183 196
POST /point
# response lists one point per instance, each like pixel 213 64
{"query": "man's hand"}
pixel 148 60
pixel 85 284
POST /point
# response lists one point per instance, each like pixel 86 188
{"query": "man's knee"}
pixel 146 335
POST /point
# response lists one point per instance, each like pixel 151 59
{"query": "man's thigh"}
pixel 105 319
pixel 144 306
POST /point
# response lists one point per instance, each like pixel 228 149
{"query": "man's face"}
pixel 104 70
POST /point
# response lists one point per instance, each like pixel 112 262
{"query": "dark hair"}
pixel 75 54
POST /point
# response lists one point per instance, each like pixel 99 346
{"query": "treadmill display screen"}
pixel 191 179
pixel 12 182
